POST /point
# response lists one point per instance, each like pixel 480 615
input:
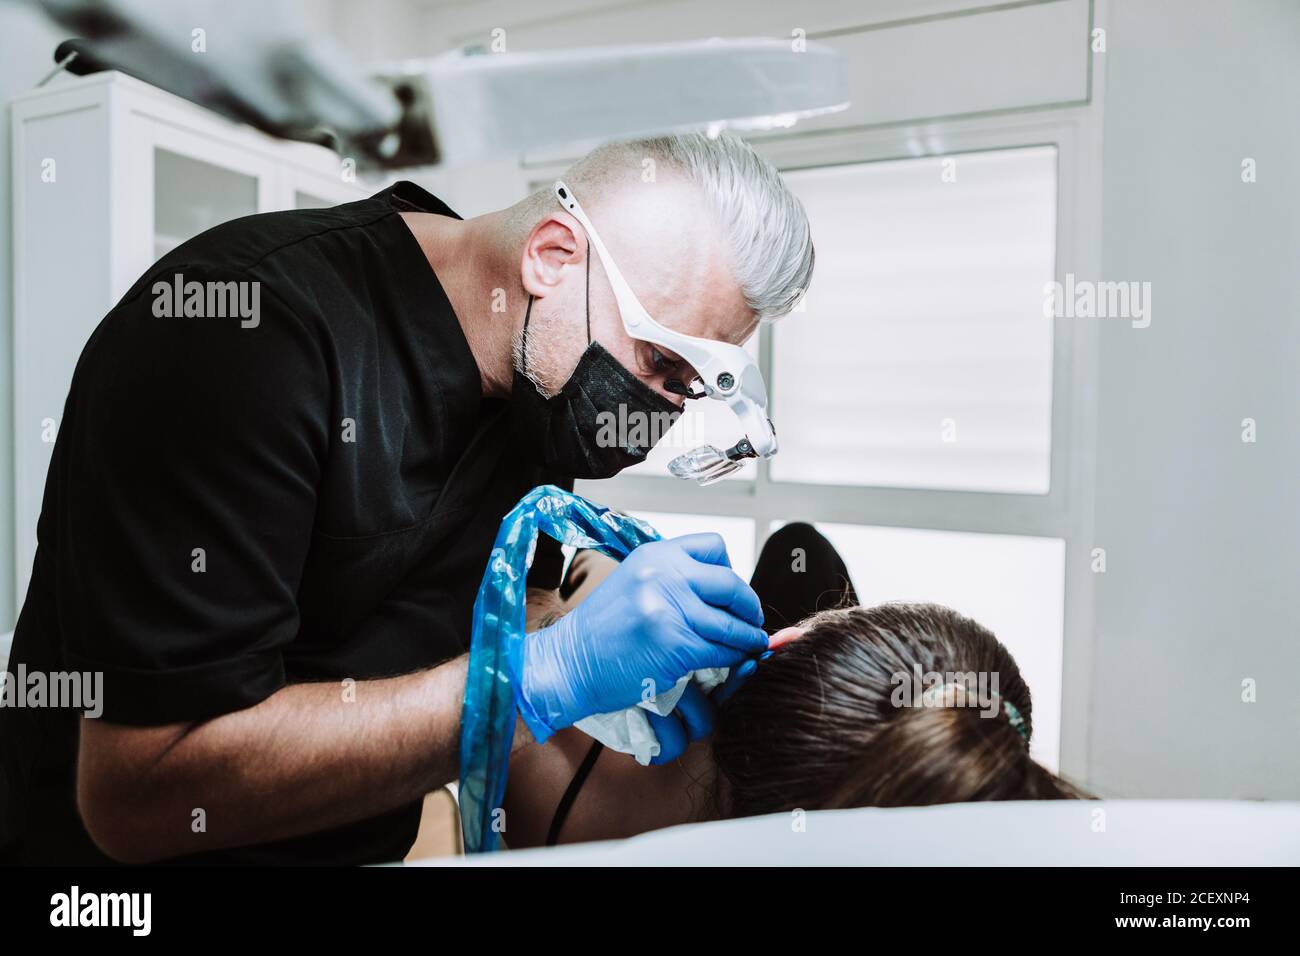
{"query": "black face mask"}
pixel 605 419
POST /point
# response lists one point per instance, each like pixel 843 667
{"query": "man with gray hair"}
pixel 268 536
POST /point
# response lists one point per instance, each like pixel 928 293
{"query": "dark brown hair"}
pixel 819 725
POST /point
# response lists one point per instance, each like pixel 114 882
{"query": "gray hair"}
pixel 762 221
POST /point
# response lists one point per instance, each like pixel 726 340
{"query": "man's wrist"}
pixel 542 693
pixel 523 736
pixel 539 731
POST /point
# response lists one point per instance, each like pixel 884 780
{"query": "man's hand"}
pixel 670 608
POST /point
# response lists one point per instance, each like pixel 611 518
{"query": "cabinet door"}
pixel 309 189
pixel 188 182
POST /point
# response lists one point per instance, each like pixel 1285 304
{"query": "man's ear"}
pixel 550 248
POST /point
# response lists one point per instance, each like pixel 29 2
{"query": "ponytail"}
pixel 931 755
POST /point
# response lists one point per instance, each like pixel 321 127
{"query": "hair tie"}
pixel 1014 718
pixel 945 695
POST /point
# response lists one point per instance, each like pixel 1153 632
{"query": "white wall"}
pixel 27 55
pixel 1202 532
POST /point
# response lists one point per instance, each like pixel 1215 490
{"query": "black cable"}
pixel 571 794
pixel 523 344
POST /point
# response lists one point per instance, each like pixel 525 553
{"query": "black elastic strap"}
pixel 523 344
pixel 588 292
pixel 571 794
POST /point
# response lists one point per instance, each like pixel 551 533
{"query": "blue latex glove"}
pixel 670 608
pixel 691 719
pixel 736 679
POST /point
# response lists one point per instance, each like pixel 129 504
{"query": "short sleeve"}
pixel 186 468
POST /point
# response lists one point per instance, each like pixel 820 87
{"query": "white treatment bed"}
pixel 1044 833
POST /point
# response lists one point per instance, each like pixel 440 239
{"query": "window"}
pixel 929 281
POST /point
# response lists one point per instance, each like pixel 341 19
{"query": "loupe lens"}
pixel 705 464
pixel 696 462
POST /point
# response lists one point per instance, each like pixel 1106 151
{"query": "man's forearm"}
pixel 309 757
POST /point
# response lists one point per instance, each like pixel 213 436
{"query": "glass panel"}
pixel 1013 585
pixel 923 359
pixel 737 532
pixel 191 196
pixel 302 200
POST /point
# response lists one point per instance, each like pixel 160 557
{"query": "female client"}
pixel 833 718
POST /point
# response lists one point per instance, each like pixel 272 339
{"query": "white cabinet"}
pixel 109 174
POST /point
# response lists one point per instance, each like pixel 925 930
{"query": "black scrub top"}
pixel 232 507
